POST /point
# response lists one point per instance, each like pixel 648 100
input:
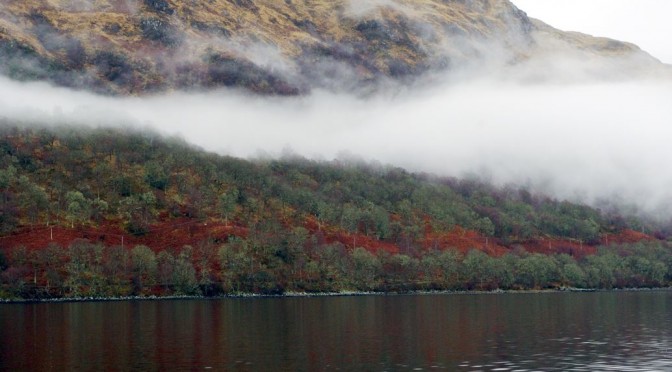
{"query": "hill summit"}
pixel 285 47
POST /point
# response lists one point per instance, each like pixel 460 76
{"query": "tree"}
pixel 165 264
pixel 332 267
pixel 206 257
pixel 3 261
pixel 98 209
pixel 7 177
pixel 8 208
pixel 33 199
pixel 123 184
pixel 184 275
pixel 116 266
pixel 139 212
pixel 536 271
pixel 478 270
pixel 645 270
pixel 571 274
pixel 601 270
pixel 227 203
pixel 400 271
pixel 52 260
pixel 85 268
pixel 366 269
pixel 143 267
pixel 381 221
pixel 17 271
pixel 350 218
pixel 442 268
pixel 155 175
pixel 295 248
pixel 484 226
pixel 503 271
pixel 78 207
pixel 236 263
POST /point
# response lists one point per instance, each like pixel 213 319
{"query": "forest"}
pixel 105 212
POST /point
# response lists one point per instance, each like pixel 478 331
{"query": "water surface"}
pixel 621 331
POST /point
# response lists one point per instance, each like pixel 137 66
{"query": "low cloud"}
pixel 582 141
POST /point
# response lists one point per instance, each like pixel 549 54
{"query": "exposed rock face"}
pixel 274 47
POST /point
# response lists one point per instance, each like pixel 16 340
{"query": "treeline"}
pixel 78 176
pixel 243 266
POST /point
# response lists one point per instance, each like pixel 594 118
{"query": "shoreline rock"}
pixel 322 294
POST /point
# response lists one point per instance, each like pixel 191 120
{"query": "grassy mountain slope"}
pixel 274 47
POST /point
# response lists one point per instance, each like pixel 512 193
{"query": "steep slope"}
pixel 101 212
pixel 278 47
pixel 134 183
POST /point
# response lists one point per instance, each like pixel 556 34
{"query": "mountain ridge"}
pixel 270 47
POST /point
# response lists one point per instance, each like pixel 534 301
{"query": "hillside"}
pixel 78 202
pixel 81 177
pixel 284 47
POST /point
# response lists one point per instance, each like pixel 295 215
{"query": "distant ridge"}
pixel 285 47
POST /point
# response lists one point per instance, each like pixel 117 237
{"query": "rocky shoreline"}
pixel 319 294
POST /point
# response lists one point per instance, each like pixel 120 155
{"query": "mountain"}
pixel 108 212
pixel 288 47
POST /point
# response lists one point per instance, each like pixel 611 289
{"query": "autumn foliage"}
pixel 104 212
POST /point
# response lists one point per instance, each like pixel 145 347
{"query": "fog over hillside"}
pixel 565 120
pixel 586 141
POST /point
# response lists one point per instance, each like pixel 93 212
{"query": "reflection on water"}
pixel 617 331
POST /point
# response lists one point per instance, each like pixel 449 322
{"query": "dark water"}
pixel 619 331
